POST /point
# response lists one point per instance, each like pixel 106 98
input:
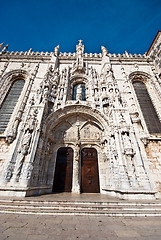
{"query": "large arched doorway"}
pixel 89 171
pixel 63 170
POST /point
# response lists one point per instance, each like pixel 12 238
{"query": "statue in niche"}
pixel 105 151
pixel 61 94
pixel 53 93
pixel 79 92
pixel 46 93
pixel 77 152
pixel 127 143
pixel 39 94
pixel 56 77
pixel 106 72
pixel 121 119
pixel 64 75
pixel 113 146
pixel 23 151
pixel 25 143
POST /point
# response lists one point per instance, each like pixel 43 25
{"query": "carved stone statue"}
pixel 104 51
pixel 56 51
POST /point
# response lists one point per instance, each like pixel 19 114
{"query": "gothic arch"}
pixel 56 117
pixel 65 121
pixel 140 76
pixel 9 103
pixel 142 90
pixel 78 78
pixel 9 78
pixel 7 81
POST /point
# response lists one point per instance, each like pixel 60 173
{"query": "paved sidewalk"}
pixel 33 227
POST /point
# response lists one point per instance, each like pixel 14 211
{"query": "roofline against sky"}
pixel 153 42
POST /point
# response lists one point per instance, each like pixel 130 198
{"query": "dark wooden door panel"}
pixel 89 171
pixel 63 170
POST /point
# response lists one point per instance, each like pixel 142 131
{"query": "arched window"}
pixel 9 103
pixel 79 92
pixel 151 118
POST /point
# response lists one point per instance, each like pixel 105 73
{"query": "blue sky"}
pixel 119 25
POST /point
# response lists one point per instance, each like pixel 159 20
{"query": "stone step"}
pixel 117 203
pixel 81 208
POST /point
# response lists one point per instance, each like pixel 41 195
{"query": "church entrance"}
pixel 63 170
pixel 89 171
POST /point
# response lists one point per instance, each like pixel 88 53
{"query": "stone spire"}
pixel 80 49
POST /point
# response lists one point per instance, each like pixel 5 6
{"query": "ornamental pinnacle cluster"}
pixel 81 123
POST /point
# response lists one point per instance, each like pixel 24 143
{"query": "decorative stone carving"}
pixel 11 135
pixel 4 49
pixel 56 51
pixel 26 140
pixel 79 66
pixel 107 120
pixel 128 149
pixel 80 49
pixel 104 51
pixel 48 87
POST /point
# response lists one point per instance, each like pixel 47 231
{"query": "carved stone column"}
pixel 76 170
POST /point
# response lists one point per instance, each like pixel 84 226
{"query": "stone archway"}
pixel 76 130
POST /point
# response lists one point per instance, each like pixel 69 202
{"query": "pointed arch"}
pixel 139 82
pixel 10 102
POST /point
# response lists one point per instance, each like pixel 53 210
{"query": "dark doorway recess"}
pixel 63 170
pixel 89 171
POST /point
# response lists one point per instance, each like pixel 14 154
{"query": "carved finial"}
pixel 104 51
pixel 29 51
pixel 80 42
pixel 1 45
pixel 80 48
pixel 4 48
pixel 56 50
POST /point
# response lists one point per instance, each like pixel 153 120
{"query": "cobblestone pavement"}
pixel 33 227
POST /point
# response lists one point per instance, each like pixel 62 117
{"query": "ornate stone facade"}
pixel 80 101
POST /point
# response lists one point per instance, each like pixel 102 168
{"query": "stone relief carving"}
pixel 79 66
pixel 47 90
pixel 23 147
pixel 12 131
pixel 128 149
pixel 26 140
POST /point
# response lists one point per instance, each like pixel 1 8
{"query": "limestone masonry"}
pixel 81 122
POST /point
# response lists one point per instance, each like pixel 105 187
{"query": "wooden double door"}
pixel 64 171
